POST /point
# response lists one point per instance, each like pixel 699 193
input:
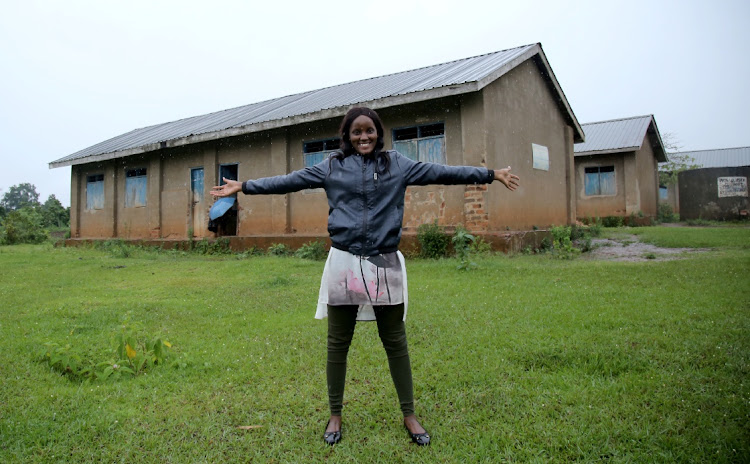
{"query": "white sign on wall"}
pixel 540 157
pixel 732 186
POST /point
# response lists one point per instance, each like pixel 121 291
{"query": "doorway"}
pixel 228 224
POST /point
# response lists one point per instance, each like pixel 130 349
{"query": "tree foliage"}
pixel 24 220
pixel 54 214
pixel 676 162
pixel 19 196
pixel 23 225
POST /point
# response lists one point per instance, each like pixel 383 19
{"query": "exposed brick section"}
pixel 475 214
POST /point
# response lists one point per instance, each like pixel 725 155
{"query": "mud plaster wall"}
pixel 600 205
pixel 648 179
pixel 519 110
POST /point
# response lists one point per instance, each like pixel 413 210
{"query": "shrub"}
pixel 480 246
pixel 433 241
pixel 698 222
pixel 279 249
pixel 665 213
pixel 133 356
pixel 23 225
pixel 220 246
pixel 612 221
pixel 252 251
pixel 595 228
pixel 462 241
pixel 562 245
pixel 117 248
pixel 315 250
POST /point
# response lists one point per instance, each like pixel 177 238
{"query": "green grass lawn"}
pixel 525 359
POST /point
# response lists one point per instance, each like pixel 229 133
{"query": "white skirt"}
pixel 365 281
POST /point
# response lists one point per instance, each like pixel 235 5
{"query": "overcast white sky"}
pixel 75 73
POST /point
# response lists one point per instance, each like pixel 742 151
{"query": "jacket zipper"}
pixel 364 206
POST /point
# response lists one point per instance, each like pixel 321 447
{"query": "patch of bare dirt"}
pixel 629 248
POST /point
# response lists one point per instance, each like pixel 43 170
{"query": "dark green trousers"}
pixel 392 331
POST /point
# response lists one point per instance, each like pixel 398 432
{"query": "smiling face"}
pixel 363 135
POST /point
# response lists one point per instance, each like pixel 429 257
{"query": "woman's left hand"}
pixel 509 180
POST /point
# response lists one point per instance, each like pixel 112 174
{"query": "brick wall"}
pixel 475 213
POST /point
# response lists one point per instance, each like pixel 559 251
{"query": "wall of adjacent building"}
pixel 520 110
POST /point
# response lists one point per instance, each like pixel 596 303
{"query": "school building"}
pixel 496 110
pixel 616 168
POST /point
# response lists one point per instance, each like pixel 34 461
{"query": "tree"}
pixel 23 225
pixel 19 196
pixel 676 162
pixel 54 214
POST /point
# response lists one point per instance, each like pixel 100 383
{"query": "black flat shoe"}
pixel 421 439
pixel 332 438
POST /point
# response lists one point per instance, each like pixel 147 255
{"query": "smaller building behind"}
pixel 616 168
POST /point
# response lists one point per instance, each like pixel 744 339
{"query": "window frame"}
pixel 423 134
pixel 136 179
pixel 94 199
pixel 312 156
pixel 196 194
pixel 599 170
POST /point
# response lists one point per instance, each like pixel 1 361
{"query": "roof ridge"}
pixel 299 94
pixel 651 116
pixel 432 65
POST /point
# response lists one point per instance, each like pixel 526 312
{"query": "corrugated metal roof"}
pixel 719 158
pixel 617 135
pixel 614 135
pixel 452 78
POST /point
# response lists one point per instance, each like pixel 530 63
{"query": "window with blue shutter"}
pixel 421 143
pixel 135 188
pixel 95 192
pixel 316 151
pixel 599 180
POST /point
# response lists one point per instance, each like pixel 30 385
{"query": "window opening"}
pixel 599 180
pixel 95 192
pixel 135 187
pixel 316 151
pixel 424 143
pixel 196 184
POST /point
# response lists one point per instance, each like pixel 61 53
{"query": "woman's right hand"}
pixel 510 181
pixel 230 187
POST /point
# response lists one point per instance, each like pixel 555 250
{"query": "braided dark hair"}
pixel 345 145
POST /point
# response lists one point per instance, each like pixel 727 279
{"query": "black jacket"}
pixel 365 205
